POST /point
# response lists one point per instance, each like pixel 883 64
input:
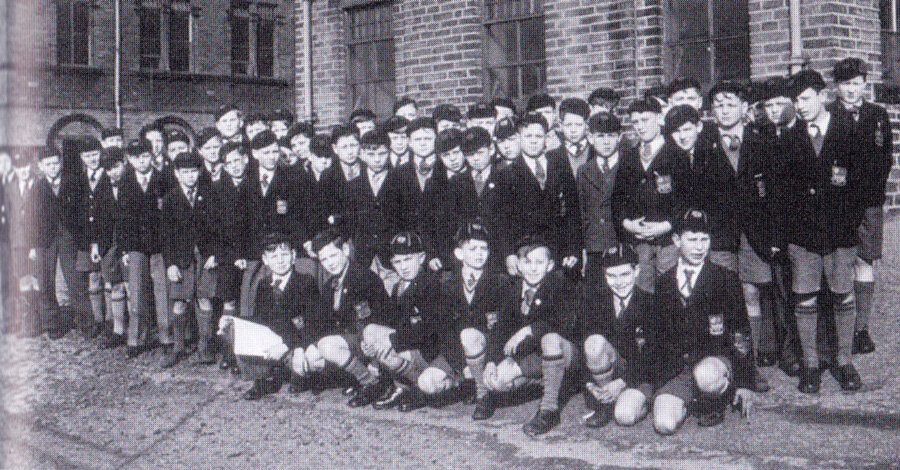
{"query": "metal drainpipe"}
pixel 118 65
pixel 307 59
pixel 796 37
pixel 634 17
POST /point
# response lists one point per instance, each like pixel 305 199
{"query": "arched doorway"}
pixel 64 133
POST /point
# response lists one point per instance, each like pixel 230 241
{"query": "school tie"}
pixel 192 198
pixel 55 184
pixel 686 286
pixel 352 172
pixel 401 287
pixel 604 167
pixel 575 149
pixel 527 300
pixel 540 173
pixel 854 111
pixel 621 301
pixel 265 184
pixel 731 142
pixel 815 135
pixel 646 152
pixel 423 167
pixel 814 130
pixel 471 281
pixel 479 181
pixel 95 177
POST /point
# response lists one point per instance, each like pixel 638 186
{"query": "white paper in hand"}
pixel 253 339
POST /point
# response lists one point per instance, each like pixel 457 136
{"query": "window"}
pixel 73 32
pixel 889 13
pixel 166 29
pixel 515 61
pixel 708 40
pixel 265 41
pixel 240 38
pixel 370 58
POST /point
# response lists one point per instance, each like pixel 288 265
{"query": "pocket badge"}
pixel 492 319
pixel 760 185
pixel 299 322
pixel 159 203
pixel 363 310
pixel 639 337
pixel 281 207
pixel 415 320
pixel 838 176
pixel 716 325
pixel 663 184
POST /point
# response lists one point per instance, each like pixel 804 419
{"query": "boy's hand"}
pixel 490 375
pixel 744 398
pixel 512 265
pixel 240 264
pixel 95 253
pixel 173 273
pixel 125 260
pixel 275 352
pixel 435 264
pixel 307 246
pixel 211 263
pixel 634 226
pixel 569 262
pixel 513 344
pixel 609 392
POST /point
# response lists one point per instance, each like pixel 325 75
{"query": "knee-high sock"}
pixel 603 378
pixel 98 306
pixel 766 341
pixel 118 307
pixel 806 329
pixel 179 330
pixel 864 293
pixel 409 372
pixel 476 366
pixel 553 370
pixel 845 320
pixel 359 370
pixel 204 328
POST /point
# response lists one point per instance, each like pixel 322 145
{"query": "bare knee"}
pixel 630 407
pixel 117 293
pixel 205 304
pixel 179 307
pixel 711 375
pixel 473 342
pixel 552 345
pixel 314 359
pixel 432 381
pixel 334 349
pixel 669 412
pixel 599 354
pixel 509 374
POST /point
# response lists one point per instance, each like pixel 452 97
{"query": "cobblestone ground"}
pixel 69 405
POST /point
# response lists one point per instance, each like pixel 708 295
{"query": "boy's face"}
pixel 534 139
pixel 408 266
pixel 112 141
pixel 503 112
pixel 473 254
pixel 574 127
pixel 334 258
pixel 445 124
pixel 347 149
pixel 365 127
pixel 280 128
pixel 280 260
pixel 421 142
pixel 549 114
pixel 779 110
pixel 210 150
pixel 851 91
pixel 622 278
pixel 319 163
pixel 481 159
pixel 375 158
pixel 453 159
pixel 686 135
pixel 188 176
pixel 809 104
pixel 646 125
pixel 728 109
pixel 690 97
pixel 235 164
pixel 606 143
pixel 484 123
pixel 399 142
pixel 229 124
pixel 176 147
pixel 268 156
pixel 51 166
pixel 141 163
pixel 116 172
pixel 254 128
pixel 156 141
pixel 535 265
pixel 408 111
pixel 692 246
pixel 91 160
pixel 300 145
pixel 510 147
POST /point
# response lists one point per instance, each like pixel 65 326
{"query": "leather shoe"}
pixel 413 399
pixel 601 416
pixel 484 407
pixel 112 340
pixel 96 330
pixel 172 358
pixel 350 391
pixel 848 377
pixel 543 422
pixel 391 398
pixel 132 352
pixel 366 396
pixel 206 356
pixel 260 389
pixel 765 359
pixel 862 342
pixel 760 384
pixel 810 380
pixel 56 334
pixel 789 365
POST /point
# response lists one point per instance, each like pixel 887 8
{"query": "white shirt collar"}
pixel 281 281
pixel 265 172
pixel 610 161
pixel 531 162
pixel 822 122
pixel 682 275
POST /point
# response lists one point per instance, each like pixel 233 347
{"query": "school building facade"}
pixel 368 53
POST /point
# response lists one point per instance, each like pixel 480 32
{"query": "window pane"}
pixel 503 82
pixel 533 39
pixel 732 59
pixel 240 39
pixel 370 58
pixel 81 31
pixel 63 33
pixel 890 58
pixel 730 17
pixel 265 48
pixel 385 60
pixel 502 44
pixel 533 79
pixel 691 60
pixel 688 19
pixel 179 41
pixel 150 39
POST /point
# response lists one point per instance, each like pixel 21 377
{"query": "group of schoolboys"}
pixel 425 260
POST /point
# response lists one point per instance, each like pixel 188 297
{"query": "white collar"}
pixel 281 281
pixel 822 121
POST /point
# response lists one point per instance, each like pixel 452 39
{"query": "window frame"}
pixel 353 42
pixel 519 65
pixel 888 91
pixel 254 12
pixel 69 40
pixel 671 43
pixel 166 10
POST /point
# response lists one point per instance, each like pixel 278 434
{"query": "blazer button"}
pixel 91 219
pixel 812 191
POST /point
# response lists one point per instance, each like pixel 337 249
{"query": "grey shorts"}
pixel 752 268
pixel 439 362
pixel 870 234
pixel 807 269
pixel 725 259
pixel 111 266
pixel 654 260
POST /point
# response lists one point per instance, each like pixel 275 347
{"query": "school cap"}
pixel 647 105
pixel 189 159
pixel 406 243
pixel 448 140
pixel 111 157
pixel 848 68
pixel 603 94
pixel 176 135
pixel 281 115
pixel 229 147
pixel 482 110
pixel 88 143
pixel 396 125
pixel 679 116
pixel 680 84
pixel 205 135
pixel 376 138
pixel 505 102
pixel 421 123
pixel 263 139
pixel 604 123
pixel 529 243
pixel 223 110
pixel 446 112
pixel 541 100
pixel 505 129
pixel 533 118
pixel 728 86
pixel 108 132
pixel 361 115
pixel 618 255
pixel 301 128
pixel 273 240
pixel 804 79
pixel 136 147
pixel 474 230
pixel 475 138
pixel 693 220
pixel 575 106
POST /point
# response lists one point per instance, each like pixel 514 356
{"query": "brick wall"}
pixel 329 61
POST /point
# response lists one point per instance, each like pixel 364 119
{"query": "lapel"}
pixel 527 175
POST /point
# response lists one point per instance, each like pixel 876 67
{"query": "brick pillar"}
pixel 329 63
